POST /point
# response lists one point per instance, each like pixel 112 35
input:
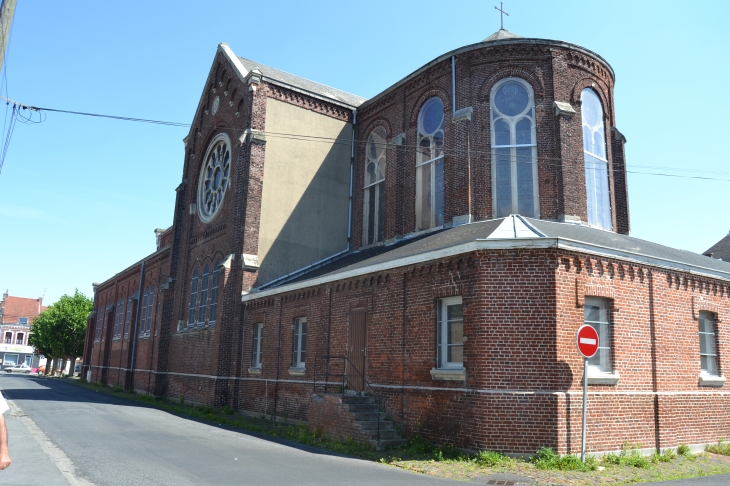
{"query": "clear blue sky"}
pixel 80 197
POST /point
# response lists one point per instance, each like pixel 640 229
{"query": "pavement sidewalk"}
pixel 31 465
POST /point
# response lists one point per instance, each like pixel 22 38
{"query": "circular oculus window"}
pixel 214 177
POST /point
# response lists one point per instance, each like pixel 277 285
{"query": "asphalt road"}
pixel 104 440
pixel 63 434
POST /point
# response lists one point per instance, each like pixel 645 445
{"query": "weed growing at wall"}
pixel 721 447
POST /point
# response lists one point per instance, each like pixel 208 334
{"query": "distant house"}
pixel 17 315
pixel 720 250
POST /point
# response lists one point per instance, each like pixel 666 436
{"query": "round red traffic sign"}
pixel 587 340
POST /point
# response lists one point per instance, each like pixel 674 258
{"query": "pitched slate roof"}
pixel 503 233
pixel 20 307
pixel 303 84
pixel 720 250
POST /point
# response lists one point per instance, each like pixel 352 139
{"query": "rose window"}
pixel 214 177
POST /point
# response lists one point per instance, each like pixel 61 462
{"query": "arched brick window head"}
pixel 430 165
pixel 193 298
pixel 596 165
pixel 374 188
pixel 514 149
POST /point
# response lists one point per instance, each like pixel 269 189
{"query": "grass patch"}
pixel 547 458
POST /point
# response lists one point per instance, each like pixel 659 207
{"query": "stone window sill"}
pixel 254 371
pixel 448 375
pixel 709 380
pixel 603 378
pixel 296 371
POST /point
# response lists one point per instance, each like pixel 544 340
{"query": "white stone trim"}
pixel 296 371
pixel 254 371
pixel 448 375
pixel 709 380
pixel 603 378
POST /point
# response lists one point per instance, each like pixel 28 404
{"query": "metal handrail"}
pixel 346 382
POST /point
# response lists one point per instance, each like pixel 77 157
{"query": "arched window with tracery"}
pixel 514 149
pixel 596 164
pixel 374 188
pixel 193 298
pixel 143 311
pixel 150 308
pixel 430 165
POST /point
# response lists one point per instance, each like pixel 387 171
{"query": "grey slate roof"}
pixel 497 231
pixel 502 34
pixel 720 250
pixel 302 84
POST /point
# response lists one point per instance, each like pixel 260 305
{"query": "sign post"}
pixel 587 340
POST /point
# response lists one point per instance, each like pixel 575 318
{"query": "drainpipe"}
pixel 136 323
pixel 352 177
pixel 453 84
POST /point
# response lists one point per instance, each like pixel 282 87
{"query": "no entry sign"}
pixel 587 339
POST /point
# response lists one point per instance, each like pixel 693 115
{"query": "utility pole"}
pixel 7 12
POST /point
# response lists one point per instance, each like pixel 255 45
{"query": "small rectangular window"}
pixel 23 321
pixel 450 333
pixel 596 315
pixel 258 339
pixel 300 342
pixel 708 344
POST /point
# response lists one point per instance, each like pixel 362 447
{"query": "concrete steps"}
pixel 365 414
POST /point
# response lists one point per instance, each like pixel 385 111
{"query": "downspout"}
pixel 453 84
pixel 136 323
pixel 352 177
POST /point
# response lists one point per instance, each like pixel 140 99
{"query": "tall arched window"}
pixel 150 308
pixel 193 298
pixel 119 319
pixel 374 189
pixel 430 165
pixel 143 311
pixel 514 149
pixel 596 165
pixel 214 292
pixel 203 296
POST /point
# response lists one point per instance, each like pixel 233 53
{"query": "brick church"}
pixel 436 247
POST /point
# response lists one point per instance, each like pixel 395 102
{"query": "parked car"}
pixel 21 368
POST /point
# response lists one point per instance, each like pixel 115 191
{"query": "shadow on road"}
pixel 27 387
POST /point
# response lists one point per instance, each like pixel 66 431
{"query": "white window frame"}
pixel 22 321
pixel 258 339
pixel 442 334
pixel 21 336
pixel 603 373
pixel 299 351
pixel 377 185
pixel 712 368
pixel 5 337
pixel 495 116
pixel 593 205
pixel 214 283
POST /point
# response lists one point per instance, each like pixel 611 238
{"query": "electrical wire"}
pixel 542 160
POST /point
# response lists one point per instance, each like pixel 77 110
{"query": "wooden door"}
pixel 357 349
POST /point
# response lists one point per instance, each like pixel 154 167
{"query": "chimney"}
pixel 5 295
pixel 158 236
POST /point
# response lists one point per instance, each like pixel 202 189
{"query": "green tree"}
pixel 60 330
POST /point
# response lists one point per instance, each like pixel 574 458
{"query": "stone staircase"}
pixel 362 409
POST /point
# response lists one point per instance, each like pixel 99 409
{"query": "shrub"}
pixel 721 447
pixel 490 458
pixel 547 458
pixel 629 456
pixel 683 450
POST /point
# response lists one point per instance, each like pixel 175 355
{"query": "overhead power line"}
pixel 313 138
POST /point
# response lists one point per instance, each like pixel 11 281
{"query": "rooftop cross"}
pixel 501 16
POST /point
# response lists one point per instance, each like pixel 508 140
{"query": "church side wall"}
pixel 304 207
